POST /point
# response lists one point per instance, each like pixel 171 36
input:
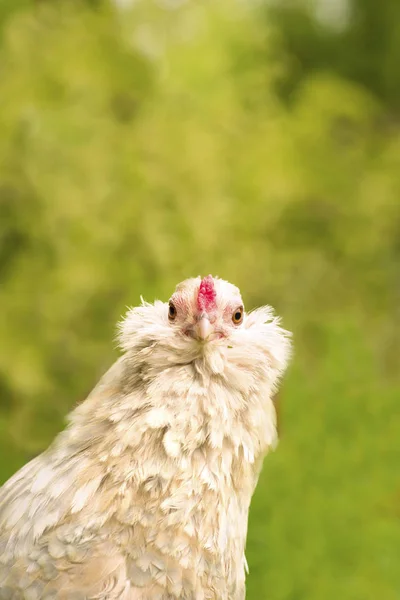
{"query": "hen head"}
pixel 205 319
pixel 205 309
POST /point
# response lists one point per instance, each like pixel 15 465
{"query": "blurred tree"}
pixel 363 46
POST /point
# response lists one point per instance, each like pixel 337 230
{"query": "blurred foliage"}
pixel 146 142
pixel 356 39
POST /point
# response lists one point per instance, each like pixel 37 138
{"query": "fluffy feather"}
pixel 146 494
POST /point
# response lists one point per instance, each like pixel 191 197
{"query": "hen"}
pixel 146 494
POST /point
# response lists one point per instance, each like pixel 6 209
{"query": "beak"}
pixel 203 329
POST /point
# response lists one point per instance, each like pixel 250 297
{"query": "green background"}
pixel 145 142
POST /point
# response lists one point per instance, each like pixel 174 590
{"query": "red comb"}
pixel 207 294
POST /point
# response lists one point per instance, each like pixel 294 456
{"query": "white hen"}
pixel 146 494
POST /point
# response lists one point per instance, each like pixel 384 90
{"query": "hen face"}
pixel 203 319
pixel 206 309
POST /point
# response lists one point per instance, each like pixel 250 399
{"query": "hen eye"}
pixel 171 311
pixel 237 316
